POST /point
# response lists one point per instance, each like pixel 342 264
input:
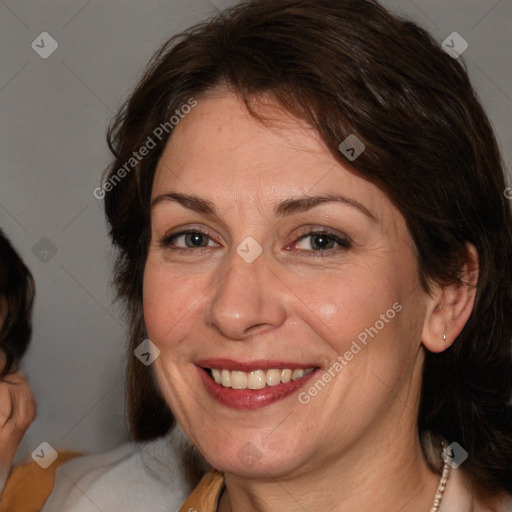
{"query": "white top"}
pixel 459 498
pixel 131 478
pixel 147 476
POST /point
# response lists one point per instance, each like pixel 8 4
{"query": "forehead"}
pixel 219 150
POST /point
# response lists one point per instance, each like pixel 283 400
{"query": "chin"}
pixel 246 460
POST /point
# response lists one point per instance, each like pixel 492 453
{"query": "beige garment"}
pixel 457 497
pixel 205 497
pixel 29 486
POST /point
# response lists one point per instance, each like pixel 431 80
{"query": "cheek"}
pixel 166 302
pixel 340 306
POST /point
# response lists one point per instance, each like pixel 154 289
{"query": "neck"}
pixel 373 476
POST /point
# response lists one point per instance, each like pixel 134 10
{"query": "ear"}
pixel 449 307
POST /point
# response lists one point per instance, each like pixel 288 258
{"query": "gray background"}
pixel 53 115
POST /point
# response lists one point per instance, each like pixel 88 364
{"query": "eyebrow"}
pixel 285 208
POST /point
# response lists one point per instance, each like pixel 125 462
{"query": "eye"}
pixel 192 239
pixel 322 241
pixel 319 241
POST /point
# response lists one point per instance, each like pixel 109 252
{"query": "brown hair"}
pixel 350 67
pixel 17 286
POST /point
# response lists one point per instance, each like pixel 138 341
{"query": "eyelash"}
pixel 343 242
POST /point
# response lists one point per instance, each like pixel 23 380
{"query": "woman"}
pixel 17 405
pixel 307 199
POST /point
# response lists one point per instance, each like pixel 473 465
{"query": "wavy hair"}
pixel 18 288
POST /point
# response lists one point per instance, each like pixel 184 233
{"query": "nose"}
pixel 248 298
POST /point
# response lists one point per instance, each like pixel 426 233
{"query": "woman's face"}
pixel 251 290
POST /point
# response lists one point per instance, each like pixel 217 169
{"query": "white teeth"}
pixel 273 377
pixel 297 374
pixel 286 375
pixel 226 378
pixel 238 380
pixel 257 379
pixel 217 375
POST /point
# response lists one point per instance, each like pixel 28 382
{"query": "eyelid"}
pixel 322 230
pixel 315 229
pixel 166 239
pixel 344 241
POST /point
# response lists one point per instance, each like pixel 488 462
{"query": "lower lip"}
pixel 251 398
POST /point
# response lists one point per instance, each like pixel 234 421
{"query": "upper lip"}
pixel 249 366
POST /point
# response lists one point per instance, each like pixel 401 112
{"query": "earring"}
pixel 444 336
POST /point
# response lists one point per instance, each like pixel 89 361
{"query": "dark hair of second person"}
pixel 17 290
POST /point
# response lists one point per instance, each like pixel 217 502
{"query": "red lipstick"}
pixel 250 399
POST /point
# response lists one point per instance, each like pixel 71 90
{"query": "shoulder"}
pixel 504 504
pixel 463 492
pixel 486 501
pixel 475 498
pixel 29 485
pixel 131 477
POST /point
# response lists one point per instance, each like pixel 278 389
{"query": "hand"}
pixel 17 412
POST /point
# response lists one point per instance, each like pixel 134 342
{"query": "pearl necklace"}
pixel 440 488
pixel 442 483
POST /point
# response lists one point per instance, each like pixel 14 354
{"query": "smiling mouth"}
pixel 257 379
pixel 253 384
